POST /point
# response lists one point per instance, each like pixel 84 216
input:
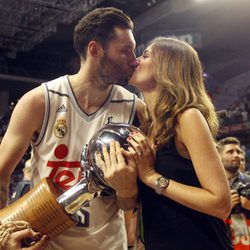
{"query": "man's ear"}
pixel 95 49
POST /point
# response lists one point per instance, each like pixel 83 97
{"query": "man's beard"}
pixel 110 72
pixel 232 168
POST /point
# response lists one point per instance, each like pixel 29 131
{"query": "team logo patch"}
pixel 60 128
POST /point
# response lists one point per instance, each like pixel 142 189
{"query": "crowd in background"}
pixel 239 111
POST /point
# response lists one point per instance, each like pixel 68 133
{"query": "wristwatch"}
pixel 160 184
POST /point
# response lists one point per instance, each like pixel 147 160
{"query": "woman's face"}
pixel 143 77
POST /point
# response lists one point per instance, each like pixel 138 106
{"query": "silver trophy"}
pixel 93 181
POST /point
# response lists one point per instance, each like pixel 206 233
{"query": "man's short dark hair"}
pixel 99 25
pixel 225 141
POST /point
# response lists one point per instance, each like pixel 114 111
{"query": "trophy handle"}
pixel 79 195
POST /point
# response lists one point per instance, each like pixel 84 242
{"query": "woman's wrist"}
pixel 150 179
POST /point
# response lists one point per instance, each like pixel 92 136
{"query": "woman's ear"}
pixel 95 49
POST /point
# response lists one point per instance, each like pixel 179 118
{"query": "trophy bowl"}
pixel 111 132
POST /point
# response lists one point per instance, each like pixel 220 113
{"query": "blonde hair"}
pixel 179 76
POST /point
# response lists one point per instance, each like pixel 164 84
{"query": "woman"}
pixel 183 188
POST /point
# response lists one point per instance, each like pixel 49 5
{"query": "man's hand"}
pixel 235 198
pixel 15 241
pixel 119 170
pixel 245 203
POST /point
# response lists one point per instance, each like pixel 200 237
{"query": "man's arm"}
pixel 26 119
pixel 127 203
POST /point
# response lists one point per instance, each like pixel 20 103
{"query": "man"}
pixel 239 219
pixel 61 116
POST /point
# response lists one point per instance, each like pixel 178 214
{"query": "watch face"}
pixel 162 182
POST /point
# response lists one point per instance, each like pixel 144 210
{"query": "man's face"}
pixel 118 62
pixel 231 157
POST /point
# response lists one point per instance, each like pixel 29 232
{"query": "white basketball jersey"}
pixel 56 154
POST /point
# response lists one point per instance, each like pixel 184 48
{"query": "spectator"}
pixel 239 219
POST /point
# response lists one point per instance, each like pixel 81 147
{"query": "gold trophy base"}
pixel 40 208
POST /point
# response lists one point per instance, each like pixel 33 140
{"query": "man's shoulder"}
pixel 123 89
pixel 56 81
pixel 246 177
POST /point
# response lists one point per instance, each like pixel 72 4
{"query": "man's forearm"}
pixel 4 187
pixel 127 203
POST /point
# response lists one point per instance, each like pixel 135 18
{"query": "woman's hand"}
pixel 144 155
pixel 120 173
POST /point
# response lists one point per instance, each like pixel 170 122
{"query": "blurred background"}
pixel 36 45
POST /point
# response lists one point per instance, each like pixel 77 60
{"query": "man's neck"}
pixel 89 97
pixel 231 176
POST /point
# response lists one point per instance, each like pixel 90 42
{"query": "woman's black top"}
pixel 171 226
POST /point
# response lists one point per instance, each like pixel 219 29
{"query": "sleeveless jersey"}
pixel 56 154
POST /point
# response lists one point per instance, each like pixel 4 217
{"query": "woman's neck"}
pixel 149 100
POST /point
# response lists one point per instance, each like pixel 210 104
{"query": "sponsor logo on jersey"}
pixel 62 108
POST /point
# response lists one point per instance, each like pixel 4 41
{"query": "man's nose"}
pixel 135 63
pixel 134 60
pixel 236 155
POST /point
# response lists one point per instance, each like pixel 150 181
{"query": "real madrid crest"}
pixel 60 128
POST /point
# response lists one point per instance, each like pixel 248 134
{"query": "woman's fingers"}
pixel 139 142
pixel 135 145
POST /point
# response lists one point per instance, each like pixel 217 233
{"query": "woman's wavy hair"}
pixel 179 76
